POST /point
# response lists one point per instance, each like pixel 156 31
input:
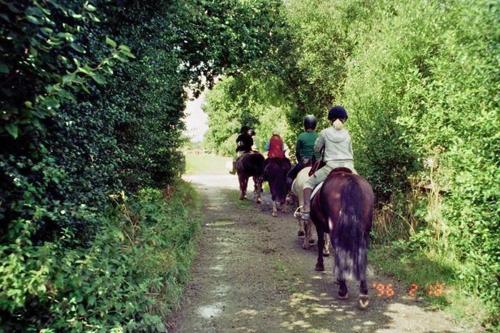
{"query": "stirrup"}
pixel 306 216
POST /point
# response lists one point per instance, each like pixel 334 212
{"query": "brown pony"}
pixel 250 165
pixel 275 171
pixel 344 209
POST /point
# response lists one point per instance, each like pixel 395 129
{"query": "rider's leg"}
pixel 311 183
pixel 294 171
pixel 307 203
pixel 238 155
pixel 233 170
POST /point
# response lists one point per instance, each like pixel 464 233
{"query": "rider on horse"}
pixel 304 150
pixel 276 146
pixel 336 142
pixel 244 143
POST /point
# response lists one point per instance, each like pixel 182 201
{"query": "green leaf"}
pixel 110 42
pixel 77 47
pixel 124 48
pixel 86 70
pixel 89 7
pixel 33 19
pixel 13 130
pixel 99 79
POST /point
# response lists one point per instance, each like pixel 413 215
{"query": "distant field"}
pixel 206 164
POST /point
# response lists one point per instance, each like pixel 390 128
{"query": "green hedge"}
pixel 420 80
pixel 92 95
pixel 129 279
pixel 423 94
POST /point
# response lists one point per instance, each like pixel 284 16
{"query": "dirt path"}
pixel 251 275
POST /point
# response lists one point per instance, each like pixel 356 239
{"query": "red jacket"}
pixel 276 147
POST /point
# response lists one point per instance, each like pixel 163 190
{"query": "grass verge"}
pixel 207 164
pixel 432 277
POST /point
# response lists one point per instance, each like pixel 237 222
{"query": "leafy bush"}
pixel 424 108
pixel 92 98
pixel 420 83
pixel 128 279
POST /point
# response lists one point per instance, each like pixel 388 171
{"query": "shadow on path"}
pixel 252 275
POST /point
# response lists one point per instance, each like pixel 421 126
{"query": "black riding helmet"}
pixel 310 122
pixel 244 129
pixel 337 112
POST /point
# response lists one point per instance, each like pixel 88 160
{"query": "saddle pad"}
pixel 316 189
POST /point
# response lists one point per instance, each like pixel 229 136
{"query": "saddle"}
pixel 316 165
pixel 316 189
pixel 336 170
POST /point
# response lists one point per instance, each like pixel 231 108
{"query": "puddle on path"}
pixel 211 310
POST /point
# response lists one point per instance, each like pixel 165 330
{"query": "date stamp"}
pixel 387 290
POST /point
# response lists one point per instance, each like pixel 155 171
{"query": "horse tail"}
pixel 349 237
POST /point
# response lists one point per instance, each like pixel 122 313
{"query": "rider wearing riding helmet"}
pixel 336 142
pixel 304 149
pixel 244 143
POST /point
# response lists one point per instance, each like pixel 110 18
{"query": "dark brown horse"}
pixel 250 165
pixel 344 209
pixel 275 173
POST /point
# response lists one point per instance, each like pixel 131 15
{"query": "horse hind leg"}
pixel 362 263
pixel 284 206
pixel 275 209
pixel 257 181
pixel 320 266
pixel 308 232
pixel 363 300
pixel 301 223
pixel 326 248
pixel 243 186
pixel 343 292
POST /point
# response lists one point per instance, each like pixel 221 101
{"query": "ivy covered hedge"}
pixel 91 105
pixel 128 279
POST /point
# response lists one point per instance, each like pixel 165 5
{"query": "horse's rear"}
pixel 275 173
pixel 345 209
pixel 250 165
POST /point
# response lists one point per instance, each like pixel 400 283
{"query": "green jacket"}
pixel 305 145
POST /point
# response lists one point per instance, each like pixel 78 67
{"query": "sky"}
pixel 196 120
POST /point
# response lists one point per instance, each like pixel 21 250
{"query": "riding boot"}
pixel 233 171
pixel 307 203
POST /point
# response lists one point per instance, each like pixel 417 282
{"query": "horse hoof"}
pixel 320 268
pixel 300 233
pixel 326 254
pixel 340 295
pixel 363 301
pixel 258 201
pixel 274 214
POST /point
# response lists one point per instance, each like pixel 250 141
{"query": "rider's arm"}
pixel 320 143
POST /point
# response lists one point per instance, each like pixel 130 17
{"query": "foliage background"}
pixel 92 98
pixel 92 94
pixel 420 81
